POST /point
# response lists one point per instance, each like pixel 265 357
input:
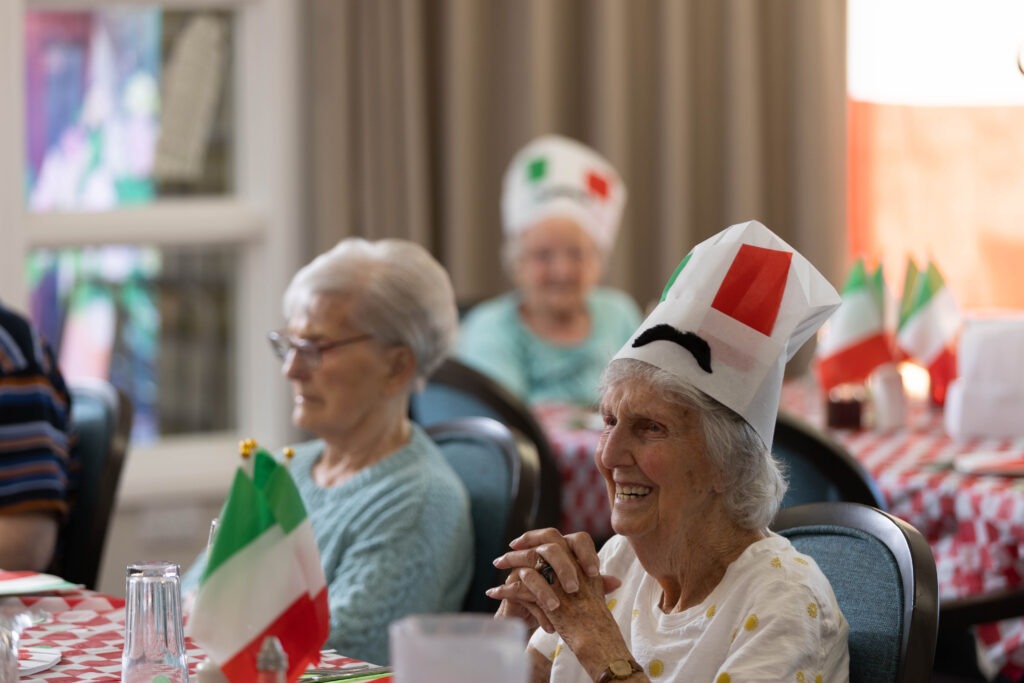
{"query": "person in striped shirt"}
pixel 35 425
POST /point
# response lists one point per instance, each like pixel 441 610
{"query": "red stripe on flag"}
pixel 597 184
pixel 298 631
pixel 855 362
pixel 752 289
pixel 323 614
pixel 941 372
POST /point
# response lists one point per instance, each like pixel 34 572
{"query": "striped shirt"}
pixel 35 422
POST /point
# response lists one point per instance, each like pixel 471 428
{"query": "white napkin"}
pixel 987 398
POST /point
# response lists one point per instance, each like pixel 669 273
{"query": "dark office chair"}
pixel 818 468
pixel 883 575
pixel 502 474
pixel 102 417
pixel 457 390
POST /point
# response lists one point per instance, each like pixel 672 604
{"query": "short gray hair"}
pixel 402 295
pixel 512 249
pixel 753 478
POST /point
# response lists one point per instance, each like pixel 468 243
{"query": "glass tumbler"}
pixel 154 645
pixel 8 651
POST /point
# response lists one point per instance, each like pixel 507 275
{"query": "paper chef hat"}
pixel 554 175
pixel 737 308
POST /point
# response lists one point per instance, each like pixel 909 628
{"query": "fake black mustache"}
pixel 688 340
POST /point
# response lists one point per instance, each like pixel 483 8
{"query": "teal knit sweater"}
pixel 395 539
pixel 494 340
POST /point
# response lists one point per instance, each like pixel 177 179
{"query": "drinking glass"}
pixel 9 637
pixel 154 644
pixel 440 648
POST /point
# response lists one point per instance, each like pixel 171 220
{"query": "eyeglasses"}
pixel 309 352
pixel 548 256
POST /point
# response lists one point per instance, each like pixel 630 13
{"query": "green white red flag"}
pixel 263 577
pixel 929 323
pixel 854 341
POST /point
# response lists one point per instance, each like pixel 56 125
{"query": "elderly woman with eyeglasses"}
pixel 548 339
pixel 367 322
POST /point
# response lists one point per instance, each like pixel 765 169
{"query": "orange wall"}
pixel 945 183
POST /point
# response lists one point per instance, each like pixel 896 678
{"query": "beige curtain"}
pixel 714 112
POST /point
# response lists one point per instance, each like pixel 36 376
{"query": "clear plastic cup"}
pixel 154 644
pixel 440 648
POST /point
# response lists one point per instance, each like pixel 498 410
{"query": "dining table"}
pixel 972 518
pixel 87 629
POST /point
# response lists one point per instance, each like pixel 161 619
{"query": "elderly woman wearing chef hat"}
pixel 694 586
pixel 549 338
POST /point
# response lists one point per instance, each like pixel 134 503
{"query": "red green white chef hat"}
pixel 554 175
pixel 737 308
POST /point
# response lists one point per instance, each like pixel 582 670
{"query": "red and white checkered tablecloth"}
pixel 974 524
pixel 88 629
pixel 574 436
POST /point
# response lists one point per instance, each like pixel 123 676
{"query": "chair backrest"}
pixel 101 416
pixel 883 575
pixel 818 468
pixel 501 472
pixel 456 390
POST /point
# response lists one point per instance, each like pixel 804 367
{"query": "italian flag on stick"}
pixel 263 575
pixel 854 341
pixel 928 327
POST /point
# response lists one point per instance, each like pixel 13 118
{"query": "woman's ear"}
pixel 402 368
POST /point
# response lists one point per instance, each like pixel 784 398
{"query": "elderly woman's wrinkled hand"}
pixel 518 597
pixel 584 608
pixel 544 567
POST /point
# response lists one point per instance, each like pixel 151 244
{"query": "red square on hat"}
pixel 752 289
pixel 597 184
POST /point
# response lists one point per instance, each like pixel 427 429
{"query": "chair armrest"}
pixel 981 609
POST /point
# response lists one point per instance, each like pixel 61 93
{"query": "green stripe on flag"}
pixel 925 287
pixel 856 278
pixel 285 500
pixel 909 285
pixel 263 466
pixel 933 279
pixel 245 517
pixel 878 288
pixel 675 274
pixel 276 483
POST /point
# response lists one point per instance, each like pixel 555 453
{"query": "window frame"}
pixel 258 221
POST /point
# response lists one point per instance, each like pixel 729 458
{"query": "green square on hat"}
pixel 537 168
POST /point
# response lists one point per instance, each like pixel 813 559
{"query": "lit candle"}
pixel 915 380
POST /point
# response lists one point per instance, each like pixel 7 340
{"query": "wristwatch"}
pixel 619 670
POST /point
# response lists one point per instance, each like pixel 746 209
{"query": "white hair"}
pixel 402 295
pixel 512 249
pixel 752 476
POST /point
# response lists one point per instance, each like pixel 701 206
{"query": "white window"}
pixel 150 198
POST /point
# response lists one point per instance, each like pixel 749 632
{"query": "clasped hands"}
pixel 554 581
